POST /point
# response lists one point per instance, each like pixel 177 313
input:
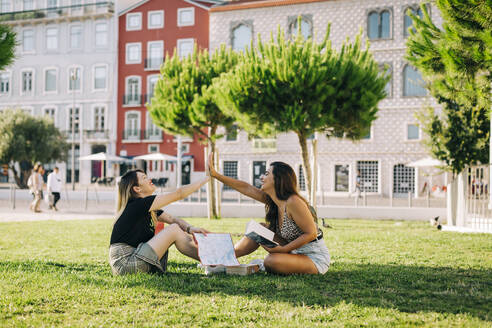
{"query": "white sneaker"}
pixel 260 264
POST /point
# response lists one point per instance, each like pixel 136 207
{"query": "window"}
pixel 26 78
pixel 50 80
pixel 132 125
pixel 379 25
pixel 407 20
pixel 259 168
pixel 134 21
pixel 52 38
pixel 230 170
pixel 185 47
pixel 186 16
pixel 155 55
pixel 155 19
pixel 28 40
pixel 241 38
pixel 27 5
pixel 265 145
pixel 101 35
pixel 4 6
pixel 231 133
pixel 73 115
pixel 369 175
pixel 306 26
pixel 133 51
pixel 152 131
pixel 99 118
pixel 100 74
pixel 52 3
pixel 368 136
pixel 413 84
pixel 151 83
pixel 153 148
pixel 132 95
pixel 403 180
pixel 74 79
pixel 4 83
pixel 50 112
pixel 342 178
pixel 76 37
pixel 413 132
pixel 302 180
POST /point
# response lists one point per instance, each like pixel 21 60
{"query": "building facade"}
pixel 63 69
pixel 148 31
pixel 395 140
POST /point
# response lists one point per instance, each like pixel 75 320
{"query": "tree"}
pixel 183 102
pixel 26 140
pixel 456 62
pixel 297 85
pixel 7 46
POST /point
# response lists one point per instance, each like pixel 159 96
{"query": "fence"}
pixel 478 215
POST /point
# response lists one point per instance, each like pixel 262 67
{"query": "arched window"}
pixel 407 20
pixel 413 84
pixel 306 26
pixel 242 34
pixel 379 25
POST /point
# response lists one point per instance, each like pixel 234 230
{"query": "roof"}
pixel 249 4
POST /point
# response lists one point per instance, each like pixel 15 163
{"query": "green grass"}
pixel 385 273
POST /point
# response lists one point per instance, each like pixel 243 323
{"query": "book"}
pixel 260 234
pixel 216 249
pixel 243 269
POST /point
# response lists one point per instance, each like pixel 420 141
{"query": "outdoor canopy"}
pixel 103 157
pixel 426 162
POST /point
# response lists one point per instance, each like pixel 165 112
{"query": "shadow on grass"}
pixel 409 289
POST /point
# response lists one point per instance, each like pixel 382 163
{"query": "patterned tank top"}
pixel 289 229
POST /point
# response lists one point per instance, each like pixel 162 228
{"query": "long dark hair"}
pixel 285 183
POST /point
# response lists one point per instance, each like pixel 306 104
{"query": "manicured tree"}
pixel 456 61
pixel 183 102
pixel 26 140
pixel 7 45
pixel 303 87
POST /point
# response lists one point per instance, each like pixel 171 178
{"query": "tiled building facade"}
pixel 395 137
pixel 63 69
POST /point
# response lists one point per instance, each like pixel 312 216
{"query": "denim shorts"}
pixel 317 252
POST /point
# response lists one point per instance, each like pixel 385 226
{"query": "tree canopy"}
pixel 27 139
pixel 456 62
pixel 298 85
pixel 7 45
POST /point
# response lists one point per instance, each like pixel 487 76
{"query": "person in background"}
pixel 54 186
pixel 36 186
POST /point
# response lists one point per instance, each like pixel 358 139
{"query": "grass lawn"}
pixel 384 273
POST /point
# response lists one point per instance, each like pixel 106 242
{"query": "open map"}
pixel 215 249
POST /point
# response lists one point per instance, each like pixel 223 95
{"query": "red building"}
pixel 147 31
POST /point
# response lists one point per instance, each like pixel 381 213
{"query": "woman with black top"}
pixel 134 248
pixel 302 249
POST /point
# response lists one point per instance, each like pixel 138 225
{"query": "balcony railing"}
pixel 132 99
pixel 132 134
pixel 265 145
pixel 68 135
pixel 97 134
pixel 148 97
pixel 60 11
pixel 153 63
pixel 151 134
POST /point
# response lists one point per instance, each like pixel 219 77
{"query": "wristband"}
pixel 188 229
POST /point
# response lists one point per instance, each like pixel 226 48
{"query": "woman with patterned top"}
pixel 134 247
pixel 301 247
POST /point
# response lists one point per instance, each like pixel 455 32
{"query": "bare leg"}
pixel 173 234
pixel 284 263
pixel 245 246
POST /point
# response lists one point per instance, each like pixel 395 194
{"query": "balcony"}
pixel 68 135
pixel 132 135
pixel 47 14
pixel 148 97
pixel 97 135
pixel 132 100
pixel 153 63
pixel 151 134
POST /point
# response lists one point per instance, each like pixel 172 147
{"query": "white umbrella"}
pixel 103 157
pixel 426 162
pixel 155 157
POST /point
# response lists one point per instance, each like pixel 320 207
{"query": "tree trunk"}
pixel 21 183
pixel 212 184
pixel 305 158
pixel 218 197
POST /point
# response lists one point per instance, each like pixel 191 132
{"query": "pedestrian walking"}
pixel 36 184
pixel 54 188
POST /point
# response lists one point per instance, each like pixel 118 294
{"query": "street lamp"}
pixel 73 77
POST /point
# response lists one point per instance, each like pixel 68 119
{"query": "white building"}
pixel 64 68
pixel 395 137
